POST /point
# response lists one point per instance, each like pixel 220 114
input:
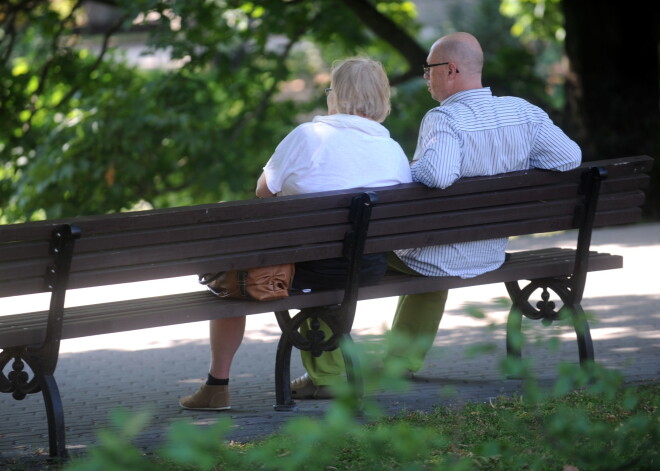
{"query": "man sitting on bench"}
pixel 471 133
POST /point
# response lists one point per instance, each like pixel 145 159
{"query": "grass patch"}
pixel 580 430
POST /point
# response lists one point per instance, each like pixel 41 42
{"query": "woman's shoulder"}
pixel 301 131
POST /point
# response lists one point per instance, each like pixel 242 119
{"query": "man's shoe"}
pixel 304 388
pixel 208 398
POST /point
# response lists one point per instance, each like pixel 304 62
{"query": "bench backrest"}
pixel 173 242
pixel 155 244
pixel 511 204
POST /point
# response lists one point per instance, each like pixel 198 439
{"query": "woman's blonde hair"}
pixel 360 87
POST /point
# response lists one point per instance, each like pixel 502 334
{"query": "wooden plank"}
pixel 447 236
pixel 209 230
pixel 174 252
pixel 162 218
pixel 558 265
pixel 208 263
pixel 623 165
pixel 24 250
pixel 473 217
pixel 435 201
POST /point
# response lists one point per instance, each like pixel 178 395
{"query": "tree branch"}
pixel 46 68
pixel 9 14
pixel 390 32
pixel 104 48
pixel 43 76
pixel 258 111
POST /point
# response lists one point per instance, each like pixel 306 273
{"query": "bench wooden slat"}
pixel 186 266
pixel 466 218
pixel 211 247
pixel 23 250
pixel 527 178
pixel 623 183
pixel 203 264
pixel 554 265
pixel 163 218
pixel 435 202
pixel 190 233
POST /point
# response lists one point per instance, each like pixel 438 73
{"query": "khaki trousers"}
pixel 414 327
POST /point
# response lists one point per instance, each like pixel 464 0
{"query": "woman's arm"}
pixel 262 188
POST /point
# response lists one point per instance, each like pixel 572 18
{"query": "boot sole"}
pixel 205 408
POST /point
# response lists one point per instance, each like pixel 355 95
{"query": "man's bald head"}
pixel 457 61
pixel 462 48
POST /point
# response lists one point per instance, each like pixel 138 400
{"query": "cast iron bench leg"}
pixel 283 399
pixel 284 402
pixel 585 344
pixel 20 383
pixel 55 414
pixel 545 311
pixel 514 333
pixel 353 371
pixel 314 343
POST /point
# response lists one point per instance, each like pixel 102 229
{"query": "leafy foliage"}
pixel 84 130
pixel 535 19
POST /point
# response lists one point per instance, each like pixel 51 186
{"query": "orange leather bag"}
pixel 261 284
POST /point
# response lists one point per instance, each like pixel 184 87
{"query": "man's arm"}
pixel 439 162
pixel 554 150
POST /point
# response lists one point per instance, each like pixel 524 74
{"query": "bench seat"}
pixel 120 316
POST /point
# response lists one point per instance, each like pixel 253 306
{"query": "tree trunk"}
pixel 613 89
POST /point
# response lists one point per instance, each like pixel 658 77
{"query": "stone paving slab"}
pixel 148 370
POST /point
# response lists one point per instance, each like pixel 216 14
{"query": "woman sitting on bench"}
pixel 348 148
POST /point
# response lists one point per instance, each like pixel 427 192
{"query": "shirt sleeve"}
pixel 553 149
pixel 438 156
pixel 282 162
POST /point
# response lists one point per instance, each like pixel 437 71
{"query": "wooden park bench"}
pixel 56 256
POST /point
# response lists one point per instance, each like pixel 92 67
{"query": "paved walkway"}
pixel 150 369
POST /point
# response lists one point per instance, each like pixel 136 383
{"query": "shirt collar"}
pixel 468 95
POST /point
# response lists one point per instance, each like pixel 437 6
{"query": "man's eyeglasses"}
pixel 427 67
pixel 327 91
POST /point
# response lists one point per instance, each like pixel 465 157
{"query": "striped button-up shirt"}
pixel 475 133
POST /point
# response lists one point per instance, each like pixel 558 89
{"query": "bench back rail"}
pixel 513 204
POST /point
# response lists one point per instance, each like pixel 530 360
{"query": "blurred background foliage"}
pixel 88 125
